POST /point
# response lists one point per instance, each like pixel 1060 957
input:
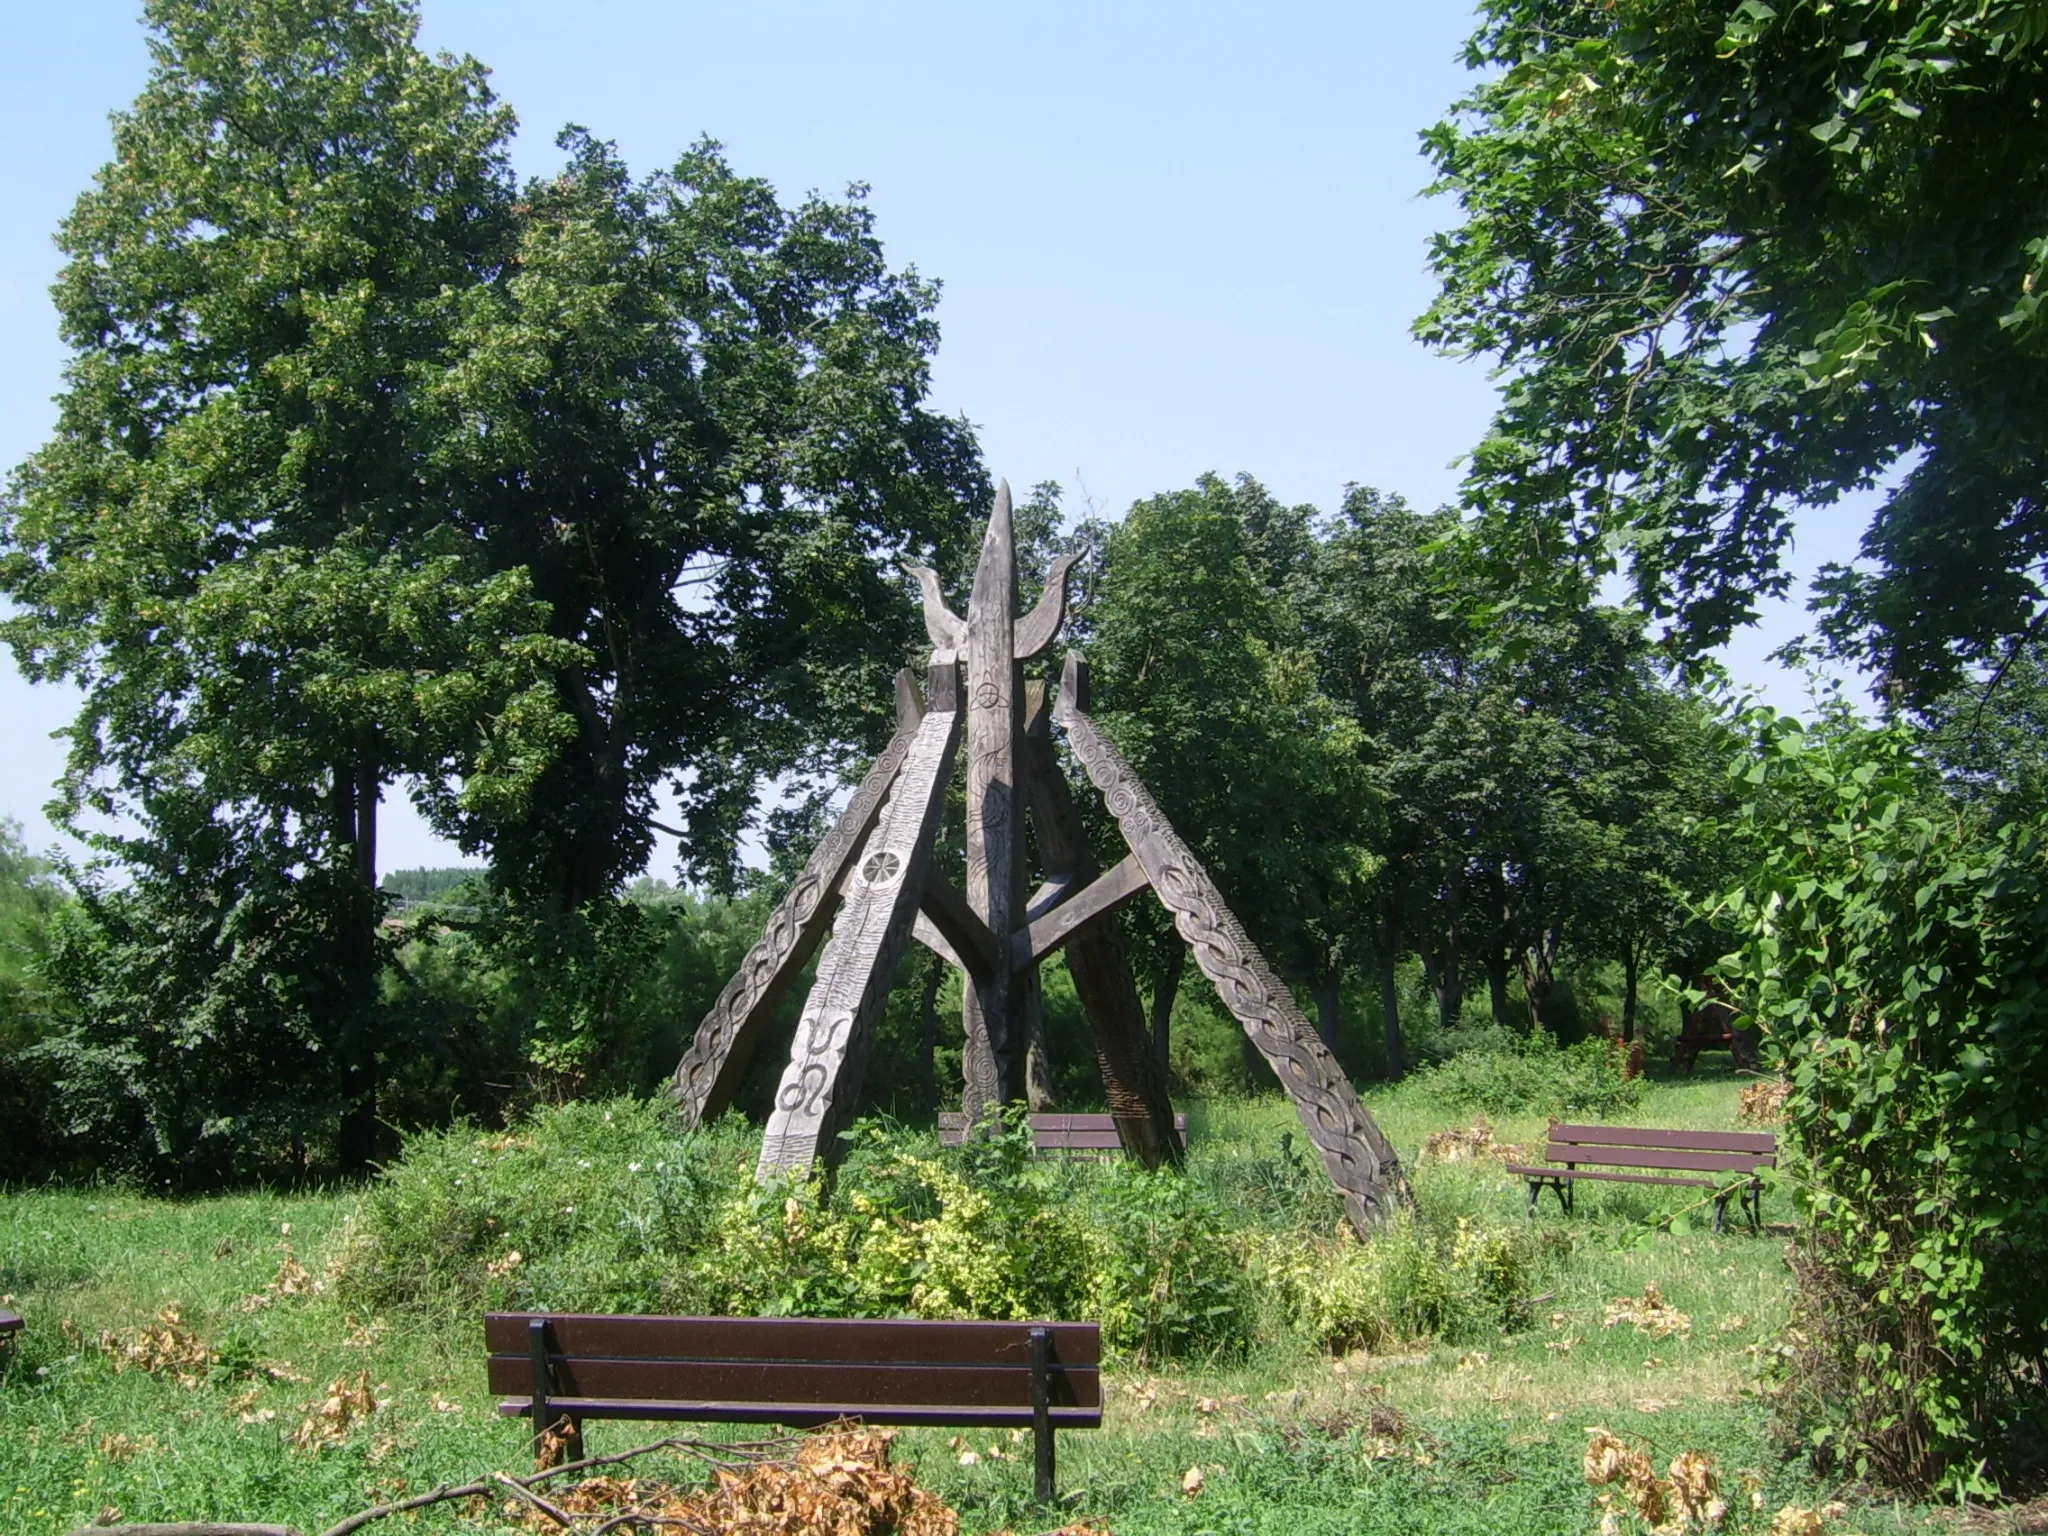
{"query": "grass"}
pixel 1483 1436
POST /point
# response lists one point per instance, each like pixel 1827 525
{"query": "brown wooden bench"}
pixel 1059 1133
pixel 1693 1157
pixel 10 1325
pixel 800 1372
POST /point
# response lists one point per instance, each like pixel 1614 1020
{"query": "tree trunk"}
pixel 1162 1008
pixel 1539 973
pixel 1450 996
pixel 1328 992
pixel 1497 982
pixel 357 789
pixel 1630 961
pixel 1390 998
pixel 928 1028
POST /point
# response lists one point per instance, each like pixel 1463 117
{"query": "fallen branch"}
pixel 730 1453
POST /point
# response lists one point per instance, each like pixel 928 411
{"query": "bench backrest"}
pixel 1629 1146
pixel 958 1372
pixel 1058 1132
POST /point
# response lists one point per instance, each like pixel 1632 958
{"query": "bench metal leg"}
pixel 1753 1205
pixel 1041 1415
pixel 544 1417
pixel 1720 1212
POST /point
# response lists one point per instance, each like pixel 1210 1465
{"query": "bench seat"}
pixel 1060 1132
pixel 1715 1160
pixel 561 1368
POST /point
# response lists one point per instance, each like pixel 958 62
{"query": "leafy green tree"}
pixel 1737 260
pixel 1535 771
pixel 31 896
pixel 374 470
pixel 1206 683
pixel 693 419
pixel 1988 738
pixel 237 541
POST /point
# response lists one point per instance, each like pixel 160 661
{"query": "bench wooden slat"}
pixel 1623 1157
pixel 1621 1178
pixel 1060 1132
pixel 715 1381
pixel 801 1416
pixel 859 1340
pixel 1762 1143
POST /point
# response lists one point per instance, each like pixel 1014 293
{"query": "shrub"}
pixel 1418 1278
pixel 1892 950
pixel 601 1203
pixel 1533 1074
pixel 603 1207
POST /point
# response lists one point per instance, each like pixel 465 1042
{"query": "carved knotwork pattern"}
pixel 1360 1160
pixel 712 1049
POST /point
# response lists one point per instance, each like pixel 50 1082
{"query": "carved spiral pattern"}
pixel 1358 1157
pixel 696 1084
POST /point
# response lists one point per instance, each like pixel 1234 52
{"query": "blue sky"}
pixel 1173 239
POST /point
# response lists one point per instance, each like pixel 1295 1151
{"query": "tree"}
pixel 1207 686
pixel 693 418
pixel 1738 260
pixel 236 541
pixel 373 470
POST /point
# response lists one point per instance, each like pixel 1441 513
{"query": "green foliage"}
pixel 31 900
pixel 1735 260
pixel 1457 1280
pixel 1893 951
pixel 607 1209
pixel 1531 1073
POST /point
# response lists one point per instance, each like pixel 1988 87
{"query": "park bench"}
pixel 1704 1159
pixel 800 1372
pixel 1059 1133
pixel 10 1325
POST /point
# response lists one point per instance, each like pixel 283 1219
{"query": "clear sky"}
pixel 1173 238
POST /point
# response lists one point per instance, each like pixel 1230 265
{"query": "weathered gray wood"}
pixel 1054 890
pixel 1132 1078
pixel 926 932
pixel 836 1028
pixel 710 1071
pixel 974 948
pixel 1101 896
pixel 992 1018
pixel 1359 1158
pixel 940 622
pixel 1042 626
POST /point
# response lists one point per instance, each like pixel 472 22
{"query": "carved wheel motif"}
pixel 881 868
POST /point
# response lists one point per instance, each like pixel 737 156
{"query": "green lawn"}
pixel 1486 1437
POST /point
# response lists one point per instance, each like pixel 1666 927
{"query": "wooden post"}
pixel 990 1004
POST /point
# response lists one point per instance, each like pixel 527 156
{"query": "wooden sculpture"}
pixel 872 884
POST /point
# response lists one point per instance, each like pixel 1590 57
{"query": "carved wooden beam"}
pixel 1357 1156
pixel 965 934
pixel 1131 1077
pixel 940 622
pixel 858 964
pixel 1042 626
pixel 710 1071
pixel 1101 897
pixel 926 932
pixel 991 1012
pixel 1051 894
